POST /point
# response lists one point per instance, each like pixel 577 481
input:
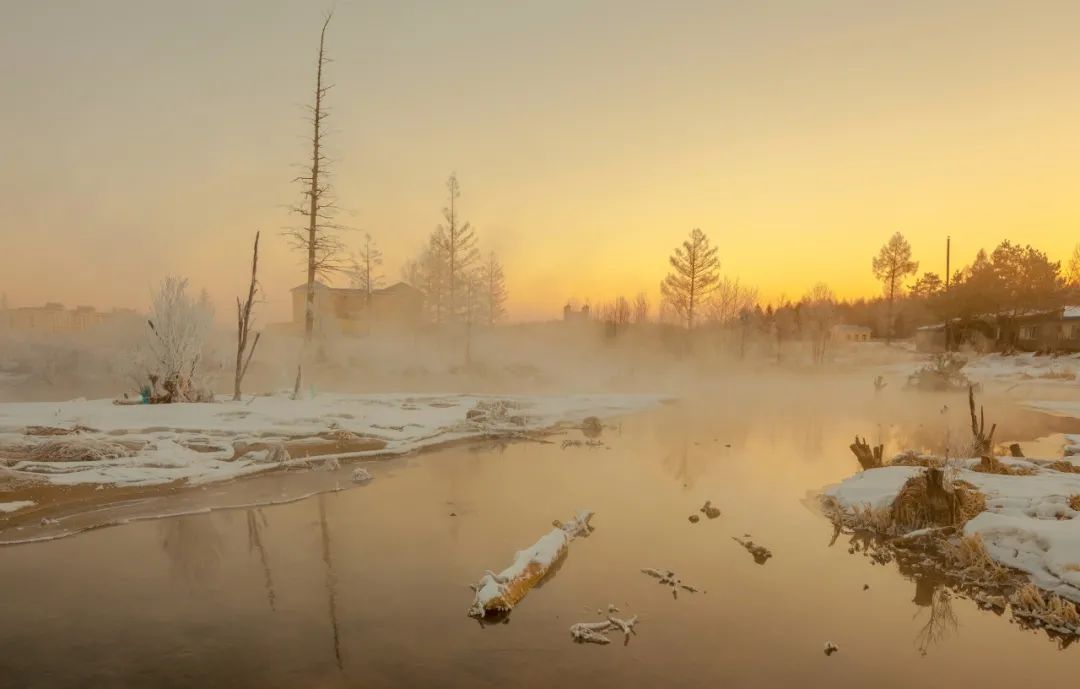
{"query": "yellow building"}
pixel 399 306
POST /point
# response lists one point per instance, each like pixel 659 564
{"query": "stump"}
pixel 869 458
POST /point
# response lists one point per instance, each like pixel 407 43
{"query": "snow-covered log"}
pixel 499 593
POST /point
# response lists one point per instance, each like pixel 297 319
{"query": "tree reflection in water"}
pixel 935 600
pixel 193 546
pixel 256 522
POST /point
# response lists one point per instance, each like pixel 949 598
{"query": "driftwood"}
pixel 595 632
pixel 670 579
pixel 869 458
pixel 982 442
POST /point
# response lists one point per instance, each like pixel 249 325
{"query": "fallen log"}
pixel 499 593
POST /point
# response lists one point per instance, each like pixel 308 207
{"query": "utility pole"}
pixel 948 276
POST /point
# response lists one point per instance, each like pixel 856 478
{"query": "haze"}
pixel 149 138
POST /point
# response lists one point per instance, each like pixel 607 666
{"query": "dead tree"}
pixel 982 442
pixel 243 324
pixel 869 458
pixel 317 239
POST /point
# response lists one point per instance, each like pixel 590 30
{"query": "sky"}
pixel 145 138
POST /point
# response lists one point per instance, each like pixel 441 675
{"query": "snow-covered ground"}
pixel 1028 523
pixel 1013 368
pixel 99 442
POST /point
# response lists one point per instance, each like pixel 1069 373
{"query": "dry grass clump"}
pixel 913 459
pixel 968 557
pixel 1063 466
pixel 915 507
pixel 75 449
pixel 1050 609
pixel 992 465
pixel 1074 502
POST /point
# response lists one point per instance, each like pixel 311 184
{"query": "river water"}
pixel 368 586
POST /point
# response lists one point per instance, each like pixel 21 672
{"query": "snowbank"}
pixel 1028 523
pixel 16 505
pixel 139 445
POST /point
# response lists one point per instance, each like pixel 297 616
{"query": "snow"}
pixel 16 505
pixel 500 592
pixel 876 487
pixel 198 442
pixel 1027 524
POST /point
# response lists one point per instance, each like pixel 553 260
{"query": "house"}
pixel 1053 330
pixel 399 306
pixel 1045 330
pixel 849 333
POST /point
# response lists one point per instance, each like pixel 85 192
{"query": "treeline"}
pixel 1010 280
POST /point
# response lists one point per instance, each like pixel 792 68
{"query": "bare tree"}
pixel 729 300
pixel 364 273
pixel 472 307
pixel 694 275
pixel 318 239
pixel 243 324
pixel 457 243
pixel 892 264
pixel 818 315
pixel 493 283
pixel 427 273
pixel 1073 270
pixel 641 308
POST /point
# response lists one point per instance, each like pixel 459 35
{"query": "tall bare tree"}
pixel 457 243
pixel 641 308
pixel 318 238
pixel 817 314
pixel 892 265
pixel 364 273
pixel 243 324
pixel 493 283
pixel 695 272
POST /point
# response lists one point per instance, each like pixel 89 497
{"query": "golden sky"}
pixel 144 138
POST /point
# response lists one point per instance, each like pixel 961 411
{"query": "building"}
pixel 1054 330
pixel 849 333
pixel 399 306
pixel 1047 330
pixel 51 318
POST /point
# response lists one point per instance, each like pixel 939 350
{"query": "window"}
pixel 1027 332
pixel 1072 331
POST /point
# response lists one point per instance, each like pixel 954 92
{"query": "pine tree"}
pixel 457 247
pixel 892 264
pixel 696 270
pixel 493 284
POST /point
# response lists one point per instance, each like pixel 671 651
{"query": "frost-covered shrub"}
pixel 943 372
pixel 179 327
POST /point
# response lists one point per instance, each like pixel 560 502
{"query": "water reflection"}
pixel 256 522
pixel 935 601
pixel 331 580
pixel 193 546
